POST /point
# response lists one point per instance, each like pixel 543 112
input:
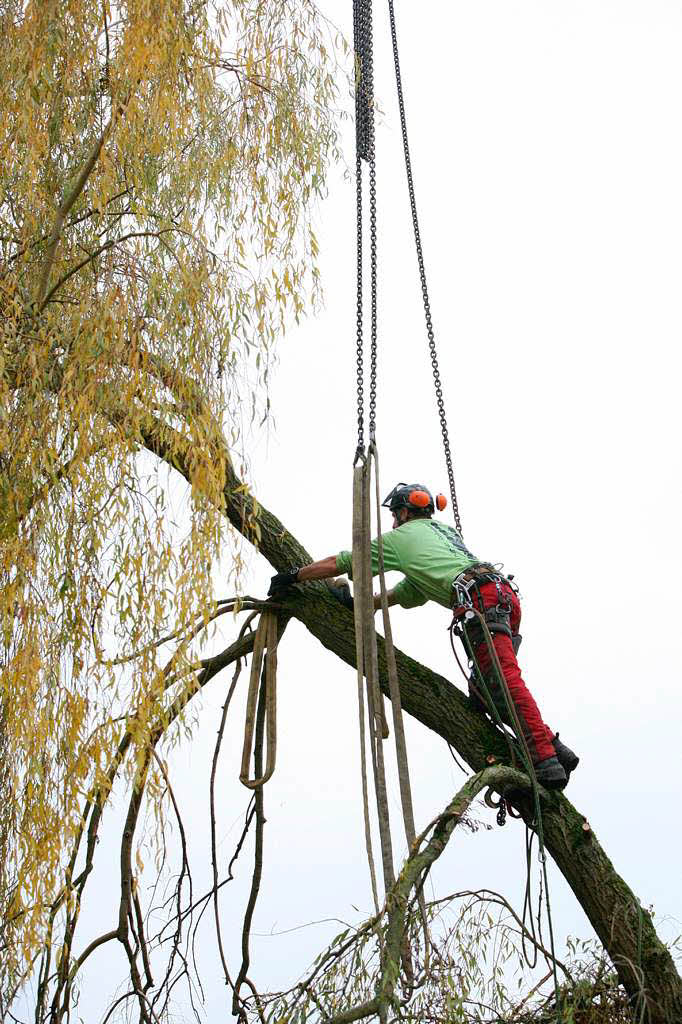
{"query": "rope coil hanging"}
pixel 526 760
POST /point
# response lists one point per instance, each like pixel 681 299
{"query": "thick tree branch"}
pixel 624 927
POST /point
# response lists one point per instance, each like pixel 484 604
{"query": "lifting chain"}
pixel 364 151
pixel 364 105
pixel 422 275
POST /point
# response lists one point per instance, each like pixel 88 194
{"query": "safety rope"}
pixel 422 275
pixel 527 763
pixel 265 643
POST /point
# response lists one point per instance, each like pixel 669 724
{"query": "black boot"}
pixel 567 759
pixel 550 774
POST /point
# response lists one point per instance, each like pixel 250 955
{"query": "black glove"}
pixel 343 595
pixel 282 580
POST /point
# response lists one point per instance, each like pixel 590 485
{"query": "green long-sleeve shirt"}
pixel 428 553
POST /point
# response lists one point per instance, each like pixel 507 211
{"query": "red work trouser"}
pixel 538 735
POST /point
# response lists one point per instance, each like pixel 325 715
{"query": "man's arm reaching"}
pixel 324 569
pixel 321 570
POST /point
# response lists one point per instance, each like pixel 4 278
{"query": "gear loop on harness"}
pixel 497 617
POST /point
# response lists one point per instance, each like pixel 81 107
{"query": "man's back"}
pixel 428 553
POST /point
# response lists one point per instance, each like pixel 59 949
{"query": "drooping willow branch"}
pixel 72 891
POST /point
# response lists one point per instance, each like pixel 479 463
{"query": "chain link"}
pixel 359 45
pixel 422 276
pixel 364 151
pixel 359 358
pixel 372 228
pixel 364 108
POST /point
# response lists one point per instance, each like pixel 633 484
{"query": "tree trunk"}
pixel 644 965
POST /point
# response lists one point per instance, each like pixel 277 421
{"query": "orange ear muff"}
pixel 420 499
pixel 441 502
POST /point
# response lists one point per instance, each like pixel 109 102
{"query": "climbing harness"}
pixel 265 644
pixel 497 617
pixel 469 609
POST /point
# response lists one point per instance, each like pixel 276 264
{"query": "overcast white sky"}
pixel 547 155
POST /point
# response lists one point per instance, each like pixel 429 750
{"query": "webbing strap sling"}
pixel 367 660
pixel 392 670
pixel 266 638
pixel 396 703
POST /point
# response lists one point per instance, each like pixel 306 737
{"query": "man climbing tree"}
pixel 438 567
pixel 160 167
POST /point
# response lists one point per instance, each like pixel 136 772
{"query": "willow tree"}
pixel 159 165
pixel 159 161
